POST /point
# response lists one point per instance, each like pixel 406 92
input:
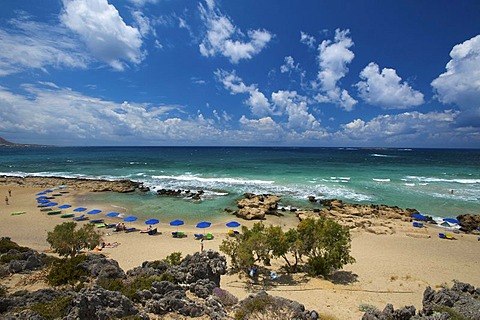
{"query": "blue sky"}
pixel 240 73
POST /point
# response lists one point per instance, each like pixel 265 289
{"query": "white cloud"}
pixel 295 106
pixel 333 59
pixel 460 84
pixel 223 38
pixel 307 39
pixel 104 32
pixel 33 45
pixel 140 3
pixel 385 89
pixel 405 128
pixel 289 65
pixel 257 101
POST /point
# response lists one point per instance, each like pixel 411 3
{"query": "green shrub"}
pixel 115 284
pixel 259 304
pixel 6 245
pixel 6 258
pixel 365 307
pixel 3 291
pixel 174 259
pixel 139 283
pixel 54 309
pixel 65 271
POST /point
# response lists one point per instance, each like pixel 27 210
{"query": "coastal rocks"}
pixel 469 222
pixel 181 193
pixel 462 300
pixel 257 206
pixel 371 218
pixel 92 185
pixel 99 303
pixel 101 268
pixel 19 259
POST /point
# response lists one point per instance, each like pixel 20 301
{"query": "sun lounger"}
pixel 67 215
pixel 80 218
pixel 46 209
pixel 198 236
pixel 51 213
pixel 111 225
pixel 101 225
pixel 17 213
pixel 209 236
pixel 96 221
pixel 418 224
pixel 442 236
pixel 132 229
pixel 178 234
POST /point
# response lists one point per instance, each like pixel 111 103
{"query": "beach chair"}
pixel 80 218
pixel 175 234
pixel 198 236
pixel 209 236
pixel 273 275
pixel 110 226
pixel 132 229
pixel 181 234
pixel 96 221
pixel 231 233
pixel 449 237
pixel 442 236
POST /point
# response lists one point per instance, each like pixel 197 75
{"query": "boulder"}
pixel 469 222
pixel 254 206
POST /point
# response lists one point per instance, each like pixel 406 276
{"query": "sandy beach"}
pixel 393 268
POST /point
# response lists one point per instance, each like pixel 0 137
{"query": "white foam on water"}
pixel 382 155
pixel 230 181
pixel 432 180
pixel 381 179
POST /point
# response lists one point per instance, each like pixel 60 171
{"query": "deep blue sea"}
pixel 437 182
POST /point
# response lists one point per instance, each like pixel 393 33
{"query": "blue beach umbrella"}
pixel 40 193
pixel 64 206
pixel 203 224
pixel 130 219
pixel 152 221
pixel 95 211
pixel 113 214
pixel 79 209
pixel 176 223
pixel 451 220
pixel 419 216
pixel 233 224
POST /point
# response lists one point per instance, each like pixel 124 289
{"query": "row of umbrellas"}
pixel 47 203
pixel 447 222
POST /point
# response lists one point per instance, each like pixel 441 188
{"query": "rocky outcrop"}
pixel 469 222
pixel 461 301
pixel 19 259
pixel 257 206
pixel 91 185
pixel 101 268
pixel 197 195
pixel 371 218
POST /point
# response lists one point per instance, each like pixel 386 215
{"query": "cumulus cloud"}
pixel 289 65
pixel 33 45
pixel 104 32
pixel 296 108
pixel 333 59
pixel 259 105
pixel 460 83
pixel 307 39
pixel 224 38
pixel 386 89
pixel 405 128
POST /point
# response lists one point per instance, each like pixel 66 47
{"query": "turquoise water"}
pixel 436 182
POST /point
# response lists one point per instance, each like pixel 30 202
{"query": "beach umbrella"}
pixel 113 214
pixel 95 211
pixel 64 206
pixel 79 209
pixel 152 221
pixel 176 223
pixel 48 190
pixel 451 220
pixel 203 224
pixel 51 204
pixel 419 216
pixel 129 218
pixel 40 193
pixel 233 224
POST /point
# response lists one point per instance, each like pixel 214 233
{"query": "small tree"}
pixel 66 241
pixel 326 244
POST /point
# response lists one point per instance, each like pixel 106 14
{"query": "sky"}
pixel 321 73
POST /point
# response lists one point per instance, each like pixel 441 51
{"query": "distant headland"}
pixel 6 143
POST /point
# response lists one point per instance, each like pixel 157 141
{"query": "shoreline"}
pixel 391 268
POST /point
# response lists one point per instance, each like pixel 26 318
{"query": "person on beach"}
pixel 6 200
pixel 201 245
pixel 9 192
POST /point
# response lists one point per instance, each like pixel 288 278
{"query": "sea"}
pixel 436 182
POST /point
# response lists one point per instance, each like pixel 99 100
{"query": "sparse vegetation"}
pixel 66 271
pixel 452 314
pixel 53 309
pixel 6 245
pixel 365 307
pixel 174 259
pixel 226 298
